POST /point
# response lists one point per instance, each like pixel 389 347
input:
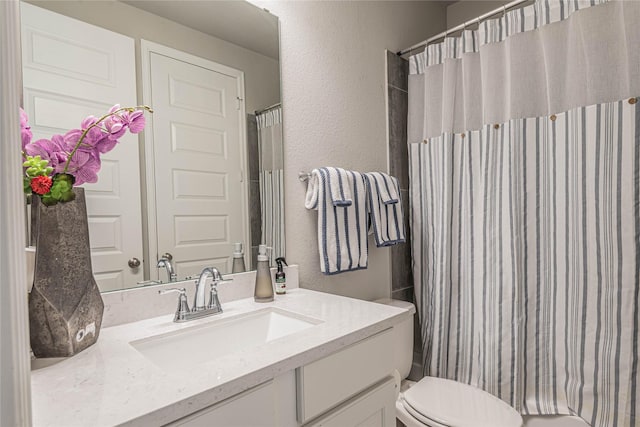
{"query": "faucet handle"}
pixel 183 306
pixel 182 291
pixel 214 302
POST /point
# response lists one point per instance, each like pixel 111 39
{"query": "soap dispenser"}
pixel 264 286
pixel 238 259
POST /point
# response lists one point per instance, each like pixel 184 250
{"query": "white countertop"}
pixel 112 383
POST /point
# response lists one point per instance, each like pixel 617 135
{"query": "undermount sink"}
pixel 202 343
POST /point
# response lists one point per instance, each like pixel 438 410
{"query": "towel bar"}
pixel 304 176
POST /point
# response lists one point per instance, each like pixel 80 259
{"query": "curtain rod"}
pixel 462 26
pixel 271 107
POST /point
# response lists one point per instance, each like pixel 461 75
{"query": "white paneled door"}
pixel 72 70
pixel 198 139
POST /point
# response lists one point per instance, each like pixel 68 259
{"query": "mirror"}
pixel 207 171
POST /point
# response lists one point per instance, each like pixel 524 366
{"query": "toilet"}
pixel 438 402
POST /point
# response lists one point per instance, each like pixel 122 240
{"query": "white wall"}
pixel 334 90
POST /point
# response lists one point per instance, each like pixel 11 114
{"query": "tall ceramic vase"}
pixel 65 306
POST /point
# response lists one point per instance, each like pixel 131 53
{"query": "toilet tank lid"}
pixel 405 305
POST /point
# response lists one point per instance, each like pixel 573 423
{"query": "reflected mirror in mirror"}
pixel 207 171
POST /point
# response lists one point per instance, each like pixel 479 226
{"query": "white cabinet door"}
pixel 325 383
pixel 71 70
pixel 198 155
pixel 254 407
pixel 374 408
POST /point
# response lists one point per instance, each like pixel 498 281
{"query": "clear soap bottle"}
pixel 238 259
pixel 264 286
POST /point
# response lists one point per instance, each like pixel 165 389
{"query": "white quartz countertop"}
pixel 111 383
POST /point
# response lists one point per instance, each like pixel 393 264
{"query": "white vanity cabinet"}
pixel 350 387
pixel 336 372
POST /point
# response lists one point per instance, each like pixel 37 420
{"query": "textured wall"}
pixel 334 92
pixel 462 11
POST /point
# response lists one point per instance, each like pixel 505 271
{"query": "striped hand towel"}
pixel 339 196
pixel 385 208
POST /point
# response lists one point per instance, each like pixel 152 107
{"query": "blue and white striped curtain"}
pixel 526 229
pixel 271 181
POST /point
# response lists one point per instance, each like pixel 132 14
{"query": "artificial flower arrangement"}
pixel 53 166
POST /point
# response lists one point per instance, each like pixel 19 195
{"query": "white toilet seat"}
pixel 411 418
pixel 437 402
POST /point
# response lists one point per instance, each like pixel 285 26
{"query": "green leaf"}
pixel 26 181
pixel 37 167
pixel 62 188
pixel 48 200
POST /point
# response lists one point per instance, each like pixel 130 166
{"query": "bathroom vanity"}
pixel 308 358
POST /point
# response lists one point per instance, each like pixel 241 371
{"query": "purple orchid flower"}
pixel 135 121
pixel 84 166
pixel 25 129
pixel 54 150
pixel 115 128
pixel 78 151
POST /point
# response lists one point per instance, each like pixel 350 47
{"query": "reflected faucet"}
pixel 171 273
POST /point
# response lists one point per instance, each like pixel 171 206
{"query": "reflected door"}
pixel 71 70
pixel 199 188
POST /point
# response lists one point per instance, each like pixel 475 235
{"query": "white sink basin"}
pixel 202 343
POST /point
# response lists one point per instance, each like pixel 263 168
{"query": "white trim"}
pixel 146 48
pixel 15 375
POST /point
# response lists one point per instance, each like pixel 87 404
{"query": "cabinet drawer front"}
pixel 374 408
pixel 330 381
pixel 254 407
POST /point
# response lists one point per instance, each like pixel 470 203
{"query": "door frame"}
pixel 150 226
pixel 15 370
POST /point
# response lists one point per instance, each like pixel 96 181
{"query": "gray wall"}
pixel 255 207
pixel 397 104
pixel 334 95
pixel 401 263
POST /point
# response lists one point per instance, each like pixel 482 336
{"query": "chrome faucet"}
pixel 198 298
pixel 166 263
pixel 199 309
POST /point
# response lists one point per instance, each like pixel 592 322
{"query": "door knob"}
pixel 168 256
pixel 134 263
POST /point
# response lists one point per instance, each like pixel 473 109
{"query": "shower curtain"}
pixel 524 145
pixel 271 181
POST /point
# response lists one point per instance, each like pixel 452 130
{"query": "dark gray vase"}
pixel 65 306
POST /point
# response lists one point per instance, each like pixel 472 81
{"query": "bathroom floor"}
pixel 549 421
pixel 554 421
